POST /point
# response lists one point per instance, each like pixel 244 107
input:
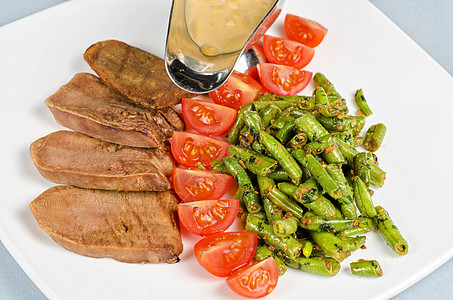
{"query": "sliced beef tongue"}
pixel 85 104
pixel 134 74
pixel 132 227
pixel 72 158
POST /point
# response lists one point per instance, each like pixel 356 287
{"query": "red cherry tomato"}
pixel 206 117
pixel 237 91
pixel 208 216
pixel 195 185
pixel 283 80
pixel 189 149
pixel 305 31
pixel 221 253
pixel 256 280
pixel 286 52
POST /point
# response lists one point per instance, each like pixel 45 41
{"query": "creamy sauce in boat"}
pixel 223 26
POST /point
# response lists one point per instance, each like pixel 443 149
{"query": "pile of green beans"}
pixel 304 187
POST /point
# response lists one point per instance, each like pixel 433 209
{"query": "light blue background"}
pixel 428 22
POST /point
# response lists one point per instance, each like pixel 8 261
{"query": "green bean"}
pixel 263 252
pixel 311 127
pixel 253 120
pixel 374 137
pixel 315 148
pixel 366 268
pixel 346 201
pixel 283 118
pixel 284 134
pixel 307 192
pixel 390 232
pixel 289 245
pixel 256 163
pixel 273 212
pixel 332 155
pixel 318 171
pixel 313 222
pixel 331 245
pixel 218 166
pixel 362 103
pixel 297 141
pixel 346 136
pixel 307 248
pixel 363 199
pixel 322 206
pixel 280 175
pixel 322 81
pixel 362 167
pixel 323 266
pixel 237 171
pixel 285 203
pixel 361 225
pixel 285 226
pixel 282 155
pixel 353 242
pixel 281 104
pixel 233 135
pixel 269 113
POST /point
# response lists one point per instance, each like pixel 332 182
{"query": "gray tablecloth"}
pixel 429 23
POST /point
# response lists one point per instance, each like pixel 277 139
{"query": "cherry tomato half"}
pixel 189 149
pixel 283 80
pixel 287 52
pixel 237 91
pixel 208 216
pixel 256 280
pixel 207 117
pixel 221 253
pixel 196 185
pixel 305 31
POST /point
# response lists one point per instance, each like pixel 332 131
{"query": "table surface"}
pixel 430 26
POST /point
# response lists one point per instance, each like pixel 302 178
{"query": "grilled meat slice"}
pixel 85 104
pixel 134 74
pixel 132 227
pixel 72 158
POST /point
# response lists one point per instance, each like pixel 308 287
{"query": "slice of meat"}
pixel 87 105
pixel 132 227
pixel 173 118
pixel 134 73
pixel 72 158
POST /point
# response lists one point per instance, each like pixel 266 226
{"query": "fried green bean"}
pixel 390 232
pixel 285 226
pixel 313 222
pixel 362 167
pixel 366 268
pixel 322 81
pixel 311 127
pixel 323 266
pixel 331 245
pixel 280 175
pixel 361 225
pixel 251 199
pixel 233 135
pixel 318 171
pixel 285 203
pixel 282 155
pixel 263 252
pixel 273 212
pixel 269 113
pixel 289 245
pixel 297 141
pixel 374 137
pixel 346 201
pixel 362 198
pixel 362 103
pixel 256 163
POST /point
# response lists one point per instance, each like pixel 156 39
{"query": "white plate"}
pixel 406 89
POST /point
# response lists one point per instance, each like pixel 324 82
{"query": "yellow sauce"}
pixel 223 26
